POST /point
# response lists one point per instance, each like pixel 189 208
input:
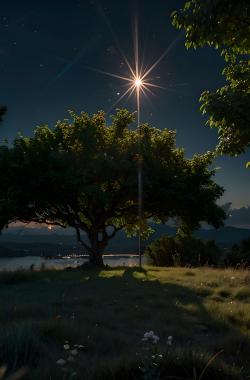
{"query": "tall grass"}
pixel 108 312
pixel 16 277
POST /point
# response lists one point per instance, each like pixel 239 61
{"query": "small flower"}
pixel 74 352
pixel 170 340
pixel 155 339
pixel 66 346
pixel 150 336
pixel 80 346
pixel 61 362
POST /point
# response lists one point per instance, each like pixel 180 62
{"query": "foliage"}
pixel 228 109
pixel 84 175
pixel 239 254
pixel 224 25
pixel 183 250
pixel 151 357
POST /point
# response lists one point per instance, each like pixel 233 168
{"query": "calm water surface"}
pixel 25 262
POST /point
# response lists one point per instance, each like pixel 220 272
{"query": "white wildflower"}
pixel 150 336
pixel 66 346
pixel 61 362
pixel 80 346
pixel 155 339
pixel 170 340
pixel 74 352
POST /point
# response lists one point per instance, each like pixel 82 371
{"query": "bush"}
pixel 182 251
pixel 239 254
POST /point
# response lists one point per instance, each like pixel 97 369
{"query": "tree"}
pixel 183 250
pixel 224 25
pixel 83 174
pixel 239 255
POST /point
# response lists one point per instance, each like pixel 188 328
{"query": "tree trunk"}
pixel 96 260
pixel 97 249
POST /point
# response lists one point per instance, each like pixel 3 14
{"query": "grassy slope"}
pixel 108 311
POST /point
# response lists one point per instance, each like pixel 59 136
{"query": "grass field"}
pixel 206 311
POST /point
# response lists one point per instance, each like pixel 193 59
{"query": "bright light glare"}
pixel 138 82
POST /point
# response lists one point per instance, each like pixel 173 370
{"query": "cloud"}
pixel 238 217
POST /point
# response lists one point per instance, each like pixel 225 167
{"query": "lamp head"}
pixel 138 82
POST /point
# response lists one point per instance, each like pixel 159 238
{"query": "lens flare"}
pixel 138 82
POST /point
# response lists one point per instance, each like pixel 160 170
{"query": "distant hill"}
pixel 225 236
pixel 15 242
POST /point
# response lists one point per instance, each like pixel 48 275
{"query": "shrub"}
pixel 239 254
pixel 182 251
pixel 163 251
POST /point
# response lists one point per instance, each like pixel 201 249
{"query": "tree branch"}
pixel 116 229
pixel 78 235
pixel 41 221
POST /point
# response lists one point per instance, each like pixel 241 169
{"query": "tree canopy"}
pixel 83 174
pixel 224 25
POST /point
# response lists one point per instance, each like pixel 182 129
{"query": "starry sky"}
pixel 52 54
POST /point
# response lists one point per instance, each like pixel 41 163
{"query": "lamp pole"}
pixel 138 84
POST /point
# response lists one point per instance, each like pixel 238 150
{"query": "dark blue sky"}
pixel 46 47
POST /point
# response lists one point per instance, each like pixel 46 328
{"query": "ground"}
pixel 206 311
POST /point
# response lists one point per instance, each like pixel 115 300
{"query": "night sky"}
pixel 48 47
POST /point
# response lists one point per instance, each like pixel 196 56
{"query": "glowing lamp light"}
pixel 138 82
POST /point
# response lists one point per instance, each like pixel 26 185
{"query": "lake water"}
pixel 15 263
